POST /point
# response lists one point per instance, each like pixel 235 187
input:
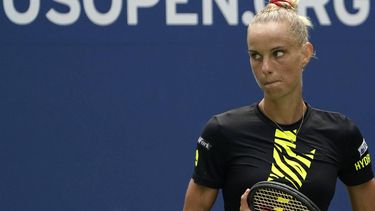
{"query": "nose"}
pixel 266 65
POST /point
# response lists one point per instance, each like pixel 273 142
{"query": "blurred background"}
pixel 102 102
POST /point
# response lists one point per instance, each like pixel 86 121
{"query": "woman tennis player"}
pixel 281 138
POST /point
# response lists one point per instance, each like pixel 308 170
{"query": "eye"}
pixel 278 53
pixel 255 56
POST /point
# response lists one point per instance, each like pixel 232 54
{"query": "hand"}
pixel 244 206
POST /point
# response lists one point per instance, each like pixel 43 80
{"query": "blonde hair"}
pixel 285 10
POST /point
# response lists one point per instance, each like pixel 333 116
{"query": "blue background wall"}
pixel 106 117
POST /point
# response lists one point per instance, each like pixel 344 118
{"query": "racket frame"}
pixel 281 187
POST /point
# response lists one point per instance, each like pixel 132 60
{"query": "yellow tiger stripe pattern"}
pixel 287 164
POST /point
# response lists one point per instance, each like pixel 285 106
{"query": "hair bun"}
pixel 287 4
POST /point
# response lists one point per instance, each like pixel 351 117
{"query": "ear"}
pixel 308 52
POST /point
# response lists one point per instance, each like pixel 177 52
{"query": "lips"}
pixel 270 83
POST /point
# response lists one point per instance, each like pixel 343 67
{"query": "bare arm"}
pixel 199 198
pixel 363 196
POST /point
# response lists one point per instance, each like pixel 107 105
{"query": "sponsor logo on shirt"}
pixel 363 148
pixel 204 143
pixel 365 161
pixel 196 158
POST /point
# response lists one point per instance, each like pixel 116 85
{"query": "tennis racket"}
pixel 270 195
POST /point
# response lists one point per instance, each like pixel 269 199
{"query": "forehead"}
pixel 269 35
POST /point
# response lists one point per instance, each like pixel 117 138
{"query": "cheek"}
pixel 254 66
pixel 292 73
pixel 292 66
pixel 255 70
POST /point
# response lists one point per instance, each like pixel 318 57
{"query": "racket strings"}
pixel 268 199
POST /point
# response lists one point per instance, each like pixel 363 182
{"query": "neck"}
pixel 283 112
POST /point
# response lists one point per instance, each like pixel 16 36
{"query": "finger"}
pixel 244 206
pixel 244 195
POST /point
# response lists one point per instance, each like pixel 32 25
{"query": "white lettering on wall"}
pixel 65 18
pixel 259 5
pixel 229 9
pixel 174 18
pixel 318 6
pixel 18 17
pixel 134 5
pixel 102 19
pixel 363 7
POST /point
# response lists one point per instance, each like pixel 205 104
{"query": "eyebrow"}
pixel 275 48
pixel 278 47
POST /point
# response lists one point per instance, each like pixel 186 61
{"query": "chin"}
pixel 273 93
